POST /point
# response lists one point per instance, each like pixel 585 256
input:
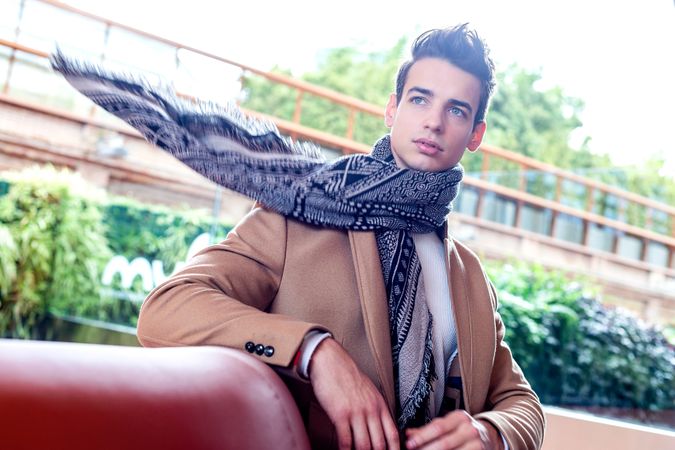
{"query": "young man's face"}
pixel 432 124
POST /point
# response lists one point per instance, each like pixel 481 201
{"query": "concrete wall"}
pixel 145 173
pixel 569 430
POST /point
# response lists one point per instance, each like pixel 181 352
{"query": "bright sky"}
pixel 617 55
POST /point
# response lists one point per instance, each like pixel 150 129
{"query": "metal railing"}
pixel 525 193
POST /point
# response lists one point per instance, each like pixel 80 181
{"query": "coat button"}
pixel 260 349
pixel 269 351
pixel 250 347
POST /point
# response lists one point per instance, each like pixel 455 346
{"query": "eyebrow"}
pixel 430 93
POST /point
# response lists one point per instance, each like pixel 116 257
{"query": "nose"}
pixel 433 121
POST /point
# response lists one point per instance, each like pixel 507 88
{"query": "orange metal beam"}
pixel 23 48
pixel 350 146
pixel 545 167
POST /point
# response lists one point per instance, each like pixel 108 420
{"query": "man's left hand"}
pixel 456 430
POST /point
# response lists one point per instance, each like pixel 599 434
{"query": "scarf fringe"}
pixel 421 392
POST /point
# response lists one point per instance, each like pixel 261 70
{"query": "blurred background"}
pixel 570 200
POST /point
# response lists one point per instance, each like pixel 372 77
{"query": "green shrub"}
pixel 57 234
pixel 575 351
pixel 55 225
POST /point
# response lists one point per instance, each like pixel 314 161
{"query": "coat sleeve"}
pixel 222 294
pixel 512 406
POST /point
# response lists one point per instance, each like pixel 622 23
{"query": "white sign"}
pixel 152 274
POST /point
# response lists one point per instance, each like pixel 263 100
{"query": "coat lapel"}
pixel 475 322
pixel 374 307
pixel 461 308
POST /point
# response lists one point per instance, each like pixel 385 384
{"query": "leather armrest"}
pixel 82 396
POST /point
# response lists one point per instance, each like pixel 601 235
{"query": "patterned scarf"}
pixel 356 192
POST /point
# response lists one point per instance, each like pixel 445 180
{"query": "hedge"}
pixel 56 235
pixel 576 351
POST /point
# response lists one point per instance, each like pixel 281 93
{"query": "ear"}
pixel 477 136
pixel 390 111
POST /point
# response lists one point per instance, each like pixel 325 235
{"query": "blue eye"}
pixel 455 111
pixel 417 100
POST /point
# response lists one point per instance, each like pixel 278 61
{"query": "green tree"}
pixel 535 122
pixel 539 123
pixel 369 77
pixel 524 117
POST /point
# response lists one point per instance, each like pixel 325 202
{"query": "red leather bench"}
pixel 82 396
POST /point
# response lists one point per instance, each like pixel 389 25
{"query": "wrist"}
pixel 321 356
pixel 495 439
pixel 307 351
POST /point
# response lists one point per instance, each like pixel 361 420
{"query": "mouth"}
pixel 427 146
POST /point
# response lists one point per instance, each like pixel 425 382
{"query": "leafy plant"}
pixel 574 350
pixel 57 234
pixel 55 224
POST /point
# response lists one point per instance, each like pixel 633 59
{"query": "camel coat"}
pixel 274 279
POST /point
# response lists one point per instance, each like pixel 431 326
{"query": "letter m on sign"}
pixel 128 270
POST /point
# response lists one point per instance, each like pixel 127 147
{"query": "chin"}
pixel 426 165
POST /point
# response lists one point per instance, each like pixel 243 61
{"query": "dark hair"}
pixel 461 47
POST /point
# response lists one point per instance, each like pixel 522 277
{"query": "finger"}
pixel 390 431
pixel 376 433
pixel 344 434
pixel 431 431
pixel 463 437
pixel 448 443
pixel 426 434
pixel 360 433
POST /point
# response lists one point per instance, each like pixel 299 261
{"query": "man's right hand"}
pixel 350 399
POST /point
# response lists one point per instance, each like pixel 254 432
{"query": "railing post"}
pixel 298 106
pixel 522 187
pixel 350 123
pixel 670 261
pixel 10 67
pixel 297 112
pixel 554 214
pixel 485 166
pixel 12 56
pixel 106 38
pixel 649 220
pixel 479 202
pixel 590 193
pixel 644 252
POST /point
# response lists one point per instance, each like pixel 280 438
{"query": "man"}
pixel 377 332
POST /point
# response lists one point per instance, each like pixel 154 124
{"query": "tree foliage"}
pixel 369 77
pixel 524 117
